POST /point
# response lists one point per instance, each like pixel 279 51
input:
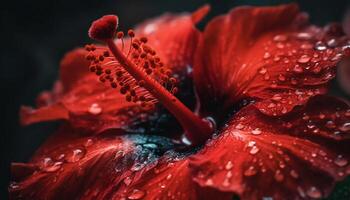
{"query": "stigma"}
pixel 133 68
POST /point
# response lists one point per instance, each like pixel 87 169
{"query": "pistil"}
pixel 149 80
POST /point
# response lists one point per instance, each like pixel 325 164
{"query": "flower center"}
pixel 141 75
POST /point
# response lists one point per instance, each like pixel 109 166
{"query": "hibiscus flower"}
pixel 260 127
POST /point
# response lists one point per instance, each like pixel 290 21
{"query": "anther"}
pixel 120 34
pixel 131 33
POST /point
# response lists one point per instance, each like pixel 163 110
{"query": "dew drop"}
pixel 47 162
pixel 256 131
pixel 254 150
pixel 14 185
pixel 340 161
pixel 320 46
pixel 304 59
pixel 304 36
pixel 251 171
pixel 169 176
pixel 88 142
pixel 226 182
pixel 209 182
pixel 294 174
pixel 77 155
pixel 313 192
pixel 239 126
pixel 298 69
pixel 228 165
pixel 136 194
pixel 267 55
pixel 276 97
pixel 95 109
pixel 280 38
pixel 251 143
pixel 56 166
pixel 279 177
pixel 345 127
pixel 263 70
pixel 281 77
pixel 332 43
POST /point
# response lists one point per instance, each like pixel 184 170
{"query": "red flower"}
pixel 260 72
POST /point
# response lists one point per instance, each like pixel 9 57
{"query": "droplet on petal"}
pixel 251 171
pixel 280 38
pixel 279 177
pixel 256 131
pixel 77 155
pixel 95 109
pixel 136 194
pixel 304 59
pixel 294 174
pixel 228 165
pixel 340 161
pixel 345 127
pixel 320 46
pixel 254 150
pixel 313 192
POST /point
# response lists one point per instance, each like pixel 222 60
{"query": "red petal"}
pixel 90 105
pixel 73 67
pixel 105 167
pixel 170 179
pixel 260 52
pixel 174 37
pixel 298 156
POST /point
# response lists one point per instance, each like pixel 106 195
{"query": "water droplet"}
pixel 209 182
pixel 47 162
pixel 304 59
pixel 304 36
pixel 341 161
pixel 279 177
pixel 320 46
pixel 228 165
pixel 280 38
pixel 294 174
pixel 169 176
pixel 95 109
pixel 298 69
pixel 14 185
pixel 345 127
pixel 239 126
pixel 254 150
pixel 271 105
pixel 251 171
pixel 136 194
pixel 267 55
pixel 251 143
pixel 185 140
pixel 88 142
pixel 263 70
pixel 127 181
pixel 281 77
pixel 313 192
pixel 256 131
pixel 77 155
pixel 56 166
pixel 332 43
pixel 276 97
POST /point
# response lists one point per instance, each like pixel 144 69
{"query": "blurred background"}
pixel 36 35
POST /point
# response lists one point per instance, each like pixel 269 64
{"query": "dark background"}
pixel 36 34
